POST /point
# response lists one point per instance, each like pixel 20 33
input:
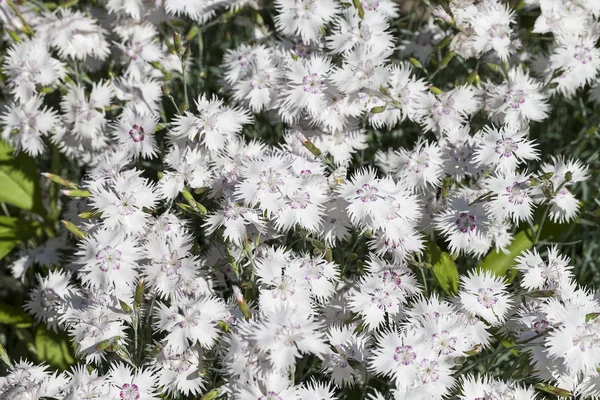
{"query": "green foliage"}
pixel 14 231
pixel 19 180
pixel 501 263
pixel 53 348
pixel 444 269
pixel 11 315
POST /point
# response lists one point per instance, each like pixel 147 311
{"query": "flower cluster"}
pixel 257 241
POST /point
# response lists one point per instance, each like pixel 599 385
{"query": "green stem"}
pixel 538 233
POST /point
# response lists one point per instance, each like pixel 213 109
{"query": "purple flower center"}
pixel 466 223
pixel 486 297
pixel 404 355
pixel 313 83
pixel 367 193
pixel 137 133
pixel 506 147
pixel 129 392
pixel 109 258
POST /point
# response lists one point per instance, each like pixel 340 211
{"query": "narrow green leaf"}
pixel 553 390
pixel 500 263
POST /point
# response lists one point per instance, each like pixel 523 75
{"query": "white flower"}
pixel 302 206
pixel 235 219
pixel 190 323
pixel 26 123
pixel 94 326
pixel 191 168
pixel 420 167
pixel 485 295
pixel 578 59
pixel 28 64
pixel 265 182
pixel 308 82
pixel 28 381
pixel 465 227
pixel 484 387
pixel 447 110
pixel 412 363
pixel 316 390
pixel 108 260
pixel 170 263
pixel 564 205
pixel 353 31
pixel 199 11
pixel 135 133
pixel 576 341
pixel 129 385
pixel 540 275
pixel 86 115
pixel 382 292
pixel 491 29
pixel 141 94
pixel 362 69
pixel 215 123
pixel 516 101
pixel 122 201
pixel 272 386
pixel 286 334
pixel 347 346
pixel 512 196
pixel 404 88
pixel 48 298
pixel 86 384
pixel 74 34
pixel 139 48
pixel 458 148
pixel 179 372
pixel 304 18
pixel 504 148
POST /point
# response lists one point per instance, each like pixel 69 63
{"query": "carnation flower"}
pixel 215 124
pixel 125 384
pixel 26 123
pixel 123 201
pixel 74 34
pixel 504 148
pixel 579 61
pixel 304 18
pixel 447 110
pixel 485 296
pixel 190 323
pixel 28 64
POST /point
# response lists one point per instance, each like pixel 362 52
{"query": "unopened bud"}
pixel 569 176
pixel 177 43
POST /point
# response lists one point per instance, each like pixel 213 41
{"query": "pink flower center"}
pixel 466 223
pixel 486 297
pixel 137 133
pixel 506 147
pixel 109 258
pixel 129 392
pixel 404 355
pixel 367 193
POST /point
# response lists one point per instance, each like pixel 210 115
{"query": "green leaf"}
pixel 19 180
pixel 446 273
pixel 12 232
pixel 11 315
pixel 500 263
pixel 53 348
